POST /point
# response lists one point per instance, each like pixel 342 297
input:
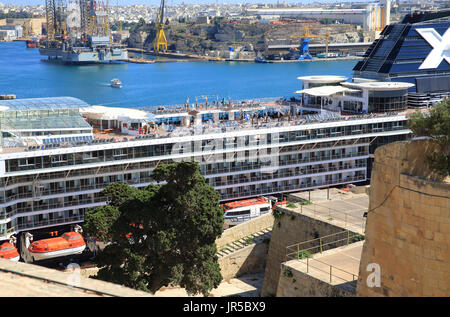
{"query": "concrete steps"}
pixel 257 237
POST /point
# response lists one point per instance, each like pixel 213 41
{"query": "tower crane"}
pixel 307 35
pixel 160 42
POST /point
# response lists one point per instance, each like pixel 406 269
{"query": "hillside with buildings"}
pixel 215 39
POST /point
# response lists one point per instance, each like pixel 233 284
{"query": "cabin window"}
pixel 65 236
pixel 237 213
pixel 264 209
pixel 74 238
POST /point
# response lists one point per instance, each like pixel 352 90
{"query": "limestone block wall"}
pixel 408 225
pixel 244 229
pixel 289 229
pixel 251 259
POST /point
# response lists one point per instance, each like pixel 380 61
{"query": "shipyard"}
pixel 235 185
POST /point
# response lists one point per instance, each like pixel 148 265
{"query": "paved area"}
pixel 336 266
pixel 321 195
pixel 347 213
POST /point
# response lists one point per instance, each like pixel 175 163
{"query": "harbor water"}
pixel 26 74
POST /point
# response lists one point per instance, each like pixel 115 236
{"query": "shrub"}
pixel 303 255
pixel 291 205
pixel 436 125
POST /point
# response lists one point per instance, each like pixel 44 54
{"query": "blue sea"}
pixel 26 74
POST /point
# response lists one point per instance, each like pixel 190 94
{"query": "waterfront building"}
pixel 374 17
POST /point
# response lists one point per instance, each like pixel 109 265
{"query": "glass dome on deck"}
pixel 33 104
pixel 42 114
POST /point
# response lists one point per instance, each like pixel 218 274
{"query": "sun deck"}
pixel 114 125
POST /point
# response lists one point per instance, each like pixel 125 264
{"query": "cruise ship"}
pixel 58 154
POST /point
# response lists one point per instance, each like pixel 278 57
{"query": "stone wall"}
pixel 300 284
pixel 289 229
pixel 408 225
pixel 30 280
pixel 244 229
pixel 251 259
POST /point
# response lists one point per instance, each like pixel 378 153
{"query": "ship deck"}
pixel 171 130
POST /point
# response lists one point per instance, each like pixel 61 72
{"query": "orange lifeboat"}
pixel 69 243
pixel 8 251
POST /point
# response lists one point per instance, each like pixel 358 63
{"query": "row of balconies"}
pixel 231 193
pixel 281 162
pixel 205 169
pixel 135 153
pixel 38 224
pixel 63 189
pixel 278 174
pixel 305 148
pixel 240 192
pixel 15 210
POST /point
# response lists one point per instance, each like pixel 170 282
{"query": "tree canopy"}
pixel 435 124
pixel 160 235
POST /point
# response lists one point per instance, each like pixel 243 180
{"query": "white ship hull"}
pixel 16 259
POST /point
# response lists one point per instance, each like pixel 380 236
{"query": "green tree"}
pixel 435 124
pixel 161 235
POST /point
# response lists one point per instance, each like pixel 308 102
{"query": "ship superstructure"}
pixel 62 153
pixel 78 32
pixel 415 50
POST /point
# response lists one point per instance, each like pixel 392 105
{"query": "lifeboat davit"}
pixel 9 252
pixel 69 243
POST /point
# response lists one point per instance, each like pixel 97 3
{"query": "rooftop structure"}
pixel 33 122
pixel 335 93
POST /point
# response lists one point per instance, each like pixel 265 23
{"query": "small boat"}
pixel 69 243
pixel 32 43
pixel 8 251
pixel 261 59
pixel 116 83
pixel 237 212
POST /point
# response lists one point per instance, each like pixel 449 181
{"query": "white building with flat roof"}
pixel 335 93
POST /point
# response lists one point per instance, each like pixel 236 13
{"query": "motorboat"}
pixel 116 83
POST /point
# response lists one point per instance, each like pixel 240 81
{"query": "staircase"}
pixel 257 237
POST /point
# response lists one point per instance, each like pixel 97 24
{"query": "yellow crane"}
pixel 160 42
pixel 306 34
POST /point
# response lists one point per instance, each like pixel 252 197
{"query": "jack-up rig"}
pixel 160 42
pixel 78 32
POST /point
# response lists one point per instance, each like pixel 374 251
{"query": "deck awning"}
pixel 323 91
pixel 115 113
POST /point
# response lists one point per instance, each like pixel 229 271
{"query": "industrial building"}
pixel 373 18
